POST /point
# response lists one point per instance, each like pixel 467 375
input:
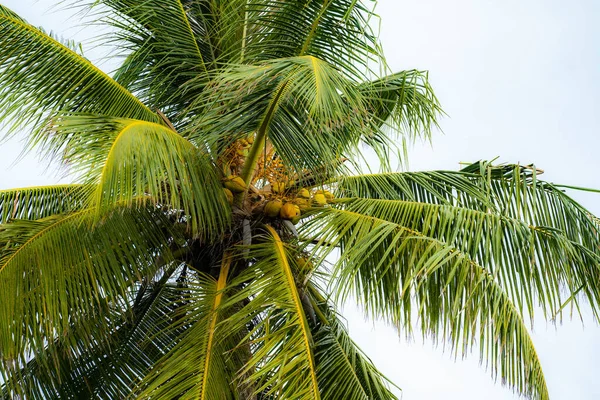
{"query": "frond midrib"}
pixel 281 255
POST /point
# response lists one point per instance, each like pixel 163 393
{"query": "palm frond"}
pixel 118 349
pixel 401 105
pixel 42 201
pixel 39 76
pixel 336 31
pixel 165 48
pixel 390 268
pixel 343 370
pixel 133 161
pixel 282 363
pixel 513 191
pixel 302 105
pixel 59 269
pixel 200 365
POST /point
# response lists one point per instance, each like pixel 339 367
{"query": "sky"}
pixel 519 80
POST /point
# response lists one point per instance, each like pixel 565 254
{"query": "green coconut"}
pixel 229 195
pixel 235 183
pixel 272 208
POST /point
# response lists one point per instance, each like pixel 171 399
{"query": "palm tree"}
pixel 220 213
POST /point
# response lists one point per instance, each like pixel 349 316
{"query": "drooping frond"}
pixel 60 269
pixel 104 357
pixel 343 370
pixel 133 161
pixel 535 265
pixel 39 77
pixel 282 364
pixel 200 366
pixel 42 201
pixel 395 271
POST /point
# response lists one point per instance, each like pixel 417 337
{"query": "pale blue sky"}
pixel 519 80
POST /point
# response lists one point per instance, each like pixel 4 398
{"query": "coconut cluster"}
pixel 291 208
pixel 278 199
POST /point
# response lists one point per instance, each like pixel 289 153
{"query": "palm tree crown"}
pixel 218 213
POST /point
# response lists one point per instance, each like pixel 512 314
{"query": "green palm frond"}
pixel 335 31
pixel 305 107
pixel 390 269
pixel 513 191
pixel 42 201
pixel 282 363
pixel 118 349
pixel 200 366
pixel 39 77
pixel 536 265
pixel 165 48
pixel 61 268
pixel 401 105
pixel 343 370
pixel 133 162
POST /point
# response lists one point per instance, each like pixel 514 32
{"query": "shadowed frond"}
pixel 390 269
pixel 105 357
pixel 39 77
pixel 200 366
pixel 42 201
pixel 133 162
pixel 59 269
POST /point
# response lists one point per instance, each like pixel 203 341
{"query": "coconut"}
pixel 272 208
pixel 289 211
pixel 229 195
pixel 303 193
pixel 328 195
pixel 295 220
pixel 320 199
pixel 277 187
pixel 235 183
pixel 302 204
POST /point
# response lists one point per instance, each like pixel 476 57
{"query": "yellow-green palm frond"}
pixel 202 365
pixel 131 162
pixel 59 269
pixel 282 363
pixel 343 370
pixel 40 77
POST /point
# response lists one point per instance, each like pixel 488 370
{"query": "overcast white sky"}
pixel 519 80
